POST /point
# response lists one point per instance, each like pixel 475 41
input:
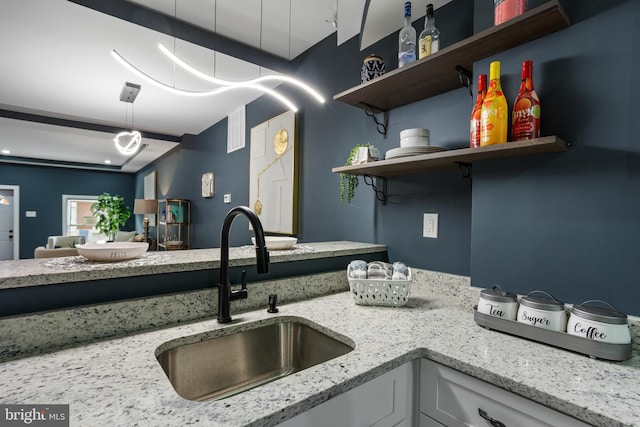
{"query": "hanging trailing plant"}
pixel 111 213
pixel 349 182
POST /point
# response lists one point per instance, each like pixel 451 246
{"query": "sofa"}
pixel 58 246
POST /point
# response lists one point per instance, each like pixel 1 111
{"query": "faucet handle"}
pixel 240 293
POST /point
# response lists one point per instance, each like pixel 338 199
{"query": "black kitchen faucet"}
pixel 225 294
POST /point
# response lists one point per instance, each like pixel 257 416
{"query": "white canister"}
pixel 498 303
pixel 542 311
pixel 599 324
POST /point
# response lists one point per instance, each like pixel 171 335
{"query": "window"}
pixel 77 218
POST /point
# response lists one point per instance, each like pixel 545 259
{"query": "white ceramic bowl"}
pixel 112 251
pixel 277 243
pixel 416 137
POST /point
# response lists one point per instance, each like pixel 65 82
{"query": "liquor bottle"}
pixel 407 39
pixel 494 113
pixel 475 114
pixel 525 119
pixel 429 40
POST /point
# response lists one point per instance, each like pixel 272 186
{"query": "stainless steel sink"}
pixel 215 368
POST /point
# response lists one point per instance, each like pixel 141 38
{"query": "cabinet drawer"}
pixel 454 399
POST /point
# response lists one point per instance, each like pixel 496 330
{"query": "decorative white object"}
pixel 112 251
pixel 207 185
pixel 277 243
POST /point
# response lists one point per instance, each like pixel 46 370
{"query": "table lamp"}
pixel 145 207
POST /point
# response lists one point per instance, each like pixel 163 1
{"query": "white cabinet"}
pixel 385 401
pixel 451 398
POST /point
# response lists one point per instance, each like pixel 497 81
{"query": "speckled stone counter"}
pixel 119 382
pixel 46 271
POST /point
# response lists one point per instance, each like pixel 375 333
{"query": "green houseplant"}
pixel 111 213
pixel 349 182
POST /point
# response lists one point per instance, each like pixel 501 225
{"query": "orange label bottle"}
pixel 525 119
pixel 474 132
pixel 494 114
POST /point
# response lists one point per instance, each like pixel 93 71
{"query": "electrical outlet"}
pixel 227 198
pixel 430 225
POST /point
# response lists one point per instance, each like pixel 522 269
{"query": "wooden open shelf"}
pixel 454 158
pixel 434 74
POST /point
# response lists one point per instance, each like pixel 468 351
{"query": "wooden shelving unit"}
pixel 454 158
pixel 174 225
pixel 435 74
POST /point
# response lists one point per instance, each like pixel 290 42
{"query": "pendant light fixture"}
pixel 128 142
pixel 224 85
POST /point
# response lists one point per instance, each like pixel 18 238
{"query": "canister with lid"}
pixel 499 303
pixel 604 324
pixel 542 311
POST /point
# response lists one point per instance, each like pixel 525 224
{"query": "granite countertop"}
pixel 47 271
pixel 119 381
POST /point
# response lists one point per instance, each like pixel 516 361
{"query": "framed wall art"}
pixel 273 174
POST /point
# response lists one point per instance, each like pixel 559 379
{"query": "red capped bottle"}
pixel 525 118
pixel 474 134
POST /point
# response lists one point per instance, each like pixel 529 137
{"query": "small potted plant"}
pixel 349 182
pixel 111 213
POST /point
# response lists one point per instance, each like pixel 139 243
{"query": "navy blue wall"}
pixel 41 190
pixel 565 223
pixel 569 223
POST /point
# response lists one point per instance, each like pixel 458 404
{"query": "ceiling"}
pixel 57 70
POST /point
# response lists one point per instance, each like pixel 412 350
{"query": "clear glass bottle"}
pixel 429 40
pixel 525 118
pixel 494 114
pixel 407 39
pixel 474 132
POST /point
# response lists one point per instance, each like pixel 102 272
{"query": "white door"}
pixel 8 222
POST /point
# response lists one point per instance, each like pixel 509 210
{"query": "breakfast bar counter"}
pixel 47 271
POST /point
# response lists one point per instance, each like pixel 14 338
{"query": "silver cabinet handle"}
pixel 492 421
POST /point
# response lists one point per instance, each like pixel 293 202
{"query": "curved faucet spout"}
pixel 262 257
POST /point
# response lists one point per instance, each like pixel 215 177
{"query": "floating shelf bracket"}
pixel 466 78
pixel 371 111
pixel 381 195
pixel 465 170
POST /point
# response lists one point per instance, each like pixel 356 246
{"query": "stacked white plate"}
pixel 411 151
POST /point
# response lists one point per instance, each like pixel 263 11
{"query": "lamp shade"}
pixel 145 206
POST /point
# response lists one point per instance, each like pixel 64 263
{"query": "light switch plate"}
pixel 430 225
pixel 227 198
